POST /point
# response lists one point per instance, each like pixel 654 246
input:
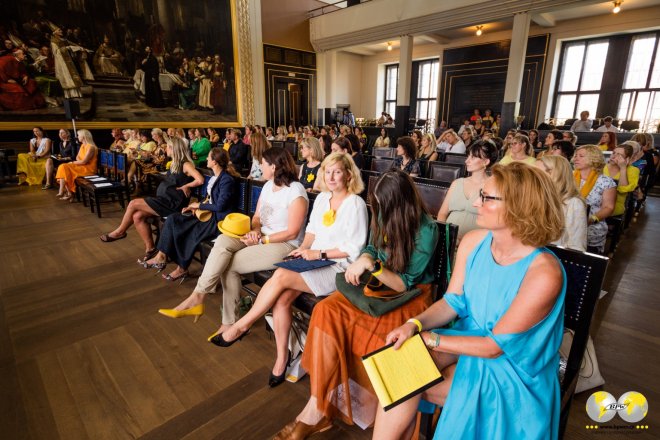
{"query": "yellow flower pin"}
pixel 329 217
pixel 310 177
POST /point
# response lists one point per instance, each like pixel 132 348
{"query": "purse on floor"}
pixel 371 296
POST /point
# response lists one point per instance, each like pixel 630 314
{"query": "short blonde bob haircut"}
pixel 594 156
pixel 354 183
pixel 313 144
pixel 533 209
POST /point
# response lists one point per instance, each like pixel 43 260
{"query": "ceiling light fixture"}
pixel 617 6
pixel 389 46
pixel 479 31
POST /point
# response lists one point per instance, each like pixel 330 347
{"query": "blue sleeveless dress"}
pixel 516 395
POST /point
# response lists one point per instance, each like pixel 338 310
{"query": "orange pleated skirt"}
pixel 339 335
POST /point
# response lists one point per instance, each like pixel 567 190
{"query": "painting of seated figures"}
pixel 124 61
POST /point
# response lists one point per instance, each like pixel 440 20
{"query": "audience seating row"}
pixel 113 168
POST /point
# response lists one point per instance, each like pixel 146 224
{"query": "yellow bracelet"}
pixel 379 271
pixel 266 239
pixel 417 323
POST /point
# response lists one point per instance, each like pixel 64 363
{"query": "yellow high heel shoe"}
pixel 195 311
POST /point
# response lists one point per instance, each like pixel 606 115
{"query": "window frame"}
pixel 386 101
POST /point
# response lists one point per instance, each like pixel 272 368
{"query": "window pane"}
pixel 654 119
pixel 570 71
pixel 588 103
pixel 655 76
pixel 624 106
pixel 565 108
pixel 390 108
pixel 422 109
pixel 427 81
pixel 434 79
pixel 639 114
pixel 594 65
pixel 392 81
pixel 639 62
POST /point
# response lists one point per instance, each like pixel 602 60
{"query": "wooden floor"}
pixel 84 355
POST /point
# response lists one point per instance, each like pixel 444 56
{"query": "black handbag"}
pixel 370 303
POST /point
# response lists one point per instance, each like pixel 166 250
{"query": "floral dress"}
pixel 597 232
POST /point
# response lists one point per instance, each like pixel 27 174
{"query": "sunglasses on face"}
pixel 485 197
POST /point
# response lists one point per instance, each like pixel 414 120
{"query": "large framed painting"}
pixel 129 63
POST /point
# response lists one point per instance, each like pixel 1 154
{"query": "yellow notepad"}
pixel 398 375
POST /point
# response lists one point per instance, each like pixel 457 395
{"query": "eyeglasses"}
pixel 485 197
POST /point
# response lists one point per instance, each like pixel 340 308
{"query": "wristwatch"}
pixel 324 255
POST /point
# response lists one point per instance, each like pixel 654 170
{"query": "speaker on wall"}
pixel 71 108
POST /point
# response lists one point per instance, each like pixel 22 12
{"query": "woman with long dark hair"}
pixel 399 255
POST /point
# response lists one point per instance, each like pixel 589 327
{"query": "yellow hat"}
pixel 235 225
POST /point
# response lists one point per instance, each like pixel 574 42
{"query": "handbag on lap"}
pixel 373 297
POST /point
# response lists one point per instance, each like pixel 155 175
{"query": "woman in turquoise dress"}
pixel 500 360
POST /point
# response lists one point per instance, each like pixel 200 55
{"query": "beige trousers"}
pixel 228 260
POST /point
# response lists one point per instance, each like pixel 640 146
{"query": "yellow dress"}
pixel 71 171
pixel 30 170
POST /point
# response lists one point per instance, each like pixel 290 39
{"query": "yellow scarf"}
pixel 588 184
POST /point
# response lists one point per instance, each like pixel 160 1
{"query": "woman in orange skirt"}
pixel 84 165
pixel 400 256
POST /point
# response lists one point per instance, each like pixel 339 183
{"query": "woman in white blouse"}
pixel 337 230
pixel 574 235
pixel 277 228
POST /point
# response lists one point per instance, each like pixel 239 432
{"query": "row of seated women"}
pixel 503 342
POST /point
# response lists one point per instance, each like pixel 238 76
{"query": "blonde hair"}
pixel 432 142
pixel 86 135
pixel 180 154
pixel 355 184
pixel 533 210
pixel 562 175
pixel 313 144
pixel 594 156
pixel 630 147
pixel 345 129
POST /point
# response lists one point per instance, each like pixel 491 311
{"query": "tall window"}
pixel 391 84
pixel 582 67
pixel 640 97
pixel 427 91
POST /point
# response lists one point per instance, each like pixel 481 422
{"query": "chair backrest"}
pixel 384 152
pixel 243 188
pixel 455 158
pixel 444 254
pixel 381 164
pixel 366 179
pixel 630 125
pixel 279 144
pixel 585 273
pixel 445 172
pixel 121 168
pixel 292 148
pixel 255 191
pixel 311 197
pixel 432 192
pixel 106 163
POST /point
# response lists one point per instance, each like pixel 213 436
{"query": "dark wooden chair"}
pixel 292 148
pixel 432 192
pixel 384 152
pixel 381 164
pixel 454 158
pixel 112 186
pixel 279 144
pixel 445 172
pixel 367 179
pixel 585 273
pixel 253 195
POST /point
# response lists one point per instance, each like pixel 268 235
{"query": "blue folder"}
pixel 301 265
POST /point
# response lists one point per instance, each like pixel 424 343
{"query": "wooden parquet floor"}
pixel 84 354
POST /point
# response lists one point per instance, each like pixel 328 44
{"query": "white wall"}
pixel 348 84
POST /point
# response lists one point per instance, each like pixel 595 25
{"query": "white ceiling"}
pixel 545 19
